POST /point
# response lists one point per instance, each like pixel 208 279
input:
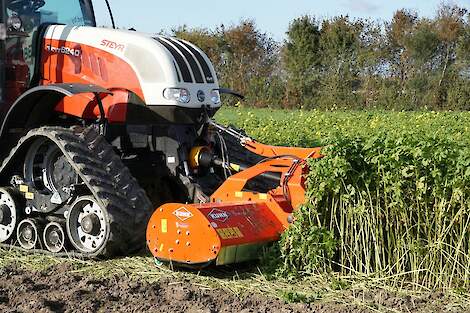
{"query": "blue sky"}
pixel 271 16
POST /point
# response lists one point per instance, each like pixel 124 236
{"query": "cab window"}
pixel 74 13
pixel 36 12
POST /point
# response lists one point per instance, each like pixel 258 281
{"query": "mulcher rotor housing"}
pixel 107 143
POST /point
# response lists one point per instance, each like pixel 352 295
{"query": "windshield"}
pixel 75 13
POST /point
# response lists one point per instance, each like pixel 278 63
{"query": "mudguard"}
pixel 33 108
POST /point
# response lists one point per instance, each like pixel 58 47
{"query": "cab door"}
pixel 21 22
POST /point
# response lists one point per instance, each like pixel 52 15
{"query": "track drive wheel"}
pixel 27 234
pixel 8 214
pixel 87 225
pixel 48 171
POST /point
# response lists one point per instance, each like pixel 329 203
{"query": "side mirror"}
pixel 227 91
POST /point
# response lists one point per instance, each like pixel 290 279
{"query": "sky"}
pixel 272 17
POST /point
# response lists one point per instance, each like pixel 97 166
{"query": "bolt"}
pixel 28 233
pixel 290 219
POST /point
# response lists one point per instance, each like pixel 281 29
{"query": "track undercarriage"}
pixel 70 194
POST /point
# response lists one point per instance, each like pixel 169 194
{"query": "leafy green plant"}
pixel 389 199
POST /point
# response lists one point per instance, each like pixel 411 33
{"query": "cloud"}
pixel 361 6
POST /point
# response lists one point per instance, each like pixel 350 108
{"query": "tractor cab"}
pixel 22 23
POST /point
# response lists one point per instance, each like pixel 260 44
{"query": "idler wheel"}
pixel 87 226
pixel 8 214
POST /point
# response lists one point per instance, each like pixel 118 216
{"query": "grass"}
pixel 240 280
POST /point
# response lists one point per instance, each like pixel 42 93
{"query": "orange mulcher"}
pixel 237 222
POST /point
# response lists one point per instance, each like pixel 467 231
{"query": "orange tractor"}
pixel 100 128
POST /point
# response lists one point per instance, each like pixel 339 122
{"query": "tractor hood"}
pixel 169 71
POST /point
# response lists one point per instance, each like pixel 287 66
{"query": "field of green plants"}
pixel 390 199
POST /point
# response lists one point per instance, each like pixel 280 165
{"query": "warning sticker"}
pixel 230 233
pixel 164 226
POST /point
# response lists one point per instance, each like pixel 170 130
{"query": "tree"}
pixel 398 32
pixel 301 56
pixel 340 45
pixel 246 59
pixel 450 26
pixel 249 60
pixel 410 62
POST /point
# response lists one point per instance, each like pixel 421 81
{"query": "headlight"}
pixel 177 94
pixel 215 96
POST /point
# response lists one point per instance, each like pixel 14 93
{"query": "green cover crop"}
pixel 390 198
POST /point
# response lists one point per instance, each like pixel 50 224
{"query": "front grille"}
pixel 191 60
pixel 205 67
pixel 184 55
pixel 179 61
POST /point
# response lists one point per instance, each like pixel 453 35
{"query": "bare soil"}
pixel 60 288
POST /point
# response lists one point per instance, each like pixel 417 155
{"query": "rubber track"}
pixel 109 181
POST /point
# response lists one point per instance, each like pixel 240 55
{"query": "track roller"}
pixel 8 214
pixel 87 225
pixel 27 234
pixel 54 237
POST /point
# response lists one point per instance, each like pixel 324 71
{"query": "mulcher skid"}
pixel 237 222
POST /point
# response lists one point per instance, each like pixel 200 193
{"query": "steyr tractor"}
pixel 107 143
